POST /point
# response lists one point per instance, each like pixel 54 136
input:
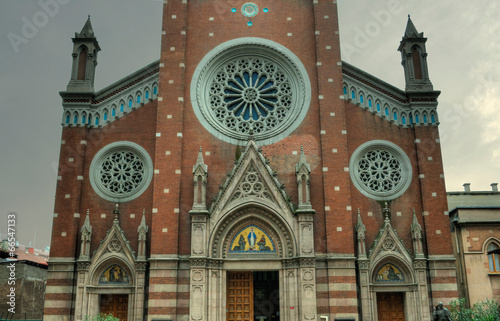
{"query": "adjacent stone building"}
pixel 250 174
pixel 475 226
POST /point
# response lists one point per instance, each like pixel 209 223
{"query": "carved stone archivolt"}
pixel 263 217
pixel 256 221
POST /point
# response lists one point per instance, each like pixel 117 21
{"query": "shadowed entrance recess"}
pixel 116 304
pixel 390 306
pixel 253 296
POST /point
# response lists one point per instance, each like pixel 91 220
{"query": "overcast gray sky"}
pixel 464 63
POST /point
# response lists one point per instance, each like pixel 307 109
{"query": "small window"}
pixel 433 120
pixel 403 120
pixel 378 107
pixel 83 119
pixel 345 91
pixel 75 119
pixel 425 119
pixel 411 119
pixel 494 258
pixel 370 103
pixel 113 112
pixel 130 103
pixel 139 99
pixel 147 95
pixel 90 119
pixel 395 116
pixel 155 90
pixel 121 108
pixel 105 116
pixel 97 121
pixel 353 95
pixel 361 100
pixel 417 119
pixel 387 112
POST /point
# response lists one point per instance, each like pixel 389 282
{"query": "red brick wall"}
pixel 135 127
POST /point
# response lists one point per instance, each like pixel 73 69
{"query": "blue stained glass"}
pixel 265 9
pixel 370 103
pixel 233 10
pixel 361 99
pixel 67 119
pixel 433 120
pixel 147 94
pixel 139 99
pixel 403 120
pixel 130 103
pixel 345 91
pixel 113 112
pixel 353 95
pixel 378 107
pixel 395 116
pixel 121 107
pixel 90 119
pixel 425 119
pixel 387 112
pixel 417 120
pixel 83 119
pixel 75 120
pixel 249 23
pixel 97 121
pixel 105 116
pixel 155 90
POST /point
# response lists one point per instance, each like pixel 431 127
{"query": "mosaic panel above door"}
pixel 252 239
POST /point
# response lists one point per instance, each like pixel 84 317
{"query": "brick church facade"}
pixel 250 174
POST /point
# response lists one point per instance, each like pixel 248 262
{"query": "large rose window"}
pixel 250 87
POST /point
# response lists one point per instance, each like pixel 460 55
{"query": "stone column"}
pixel 422 291
pixel 307 289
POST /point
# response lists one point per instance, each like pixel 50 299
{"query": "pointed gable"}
pixel 114 244
pixel 252 179
pixel 388 243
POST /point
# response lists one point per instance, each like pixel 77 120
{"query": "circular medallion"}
pixel 249 9
pixel 380 170
pixel 250 86
pixel 121 171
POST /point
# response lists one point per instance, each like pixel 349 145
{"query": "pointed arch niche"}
pixel 389 268
pixel 251 198
pixel 113 269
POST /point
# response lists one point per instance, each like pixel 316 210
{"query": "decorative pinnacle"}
pixel 143 211
pixel 116 212
pixel 250 133
pixel 88 212
pixel 386 212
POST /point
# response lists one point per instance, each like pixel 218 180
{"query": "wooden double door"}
pixel 116 304
pixel 252 296
pixel 390 306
